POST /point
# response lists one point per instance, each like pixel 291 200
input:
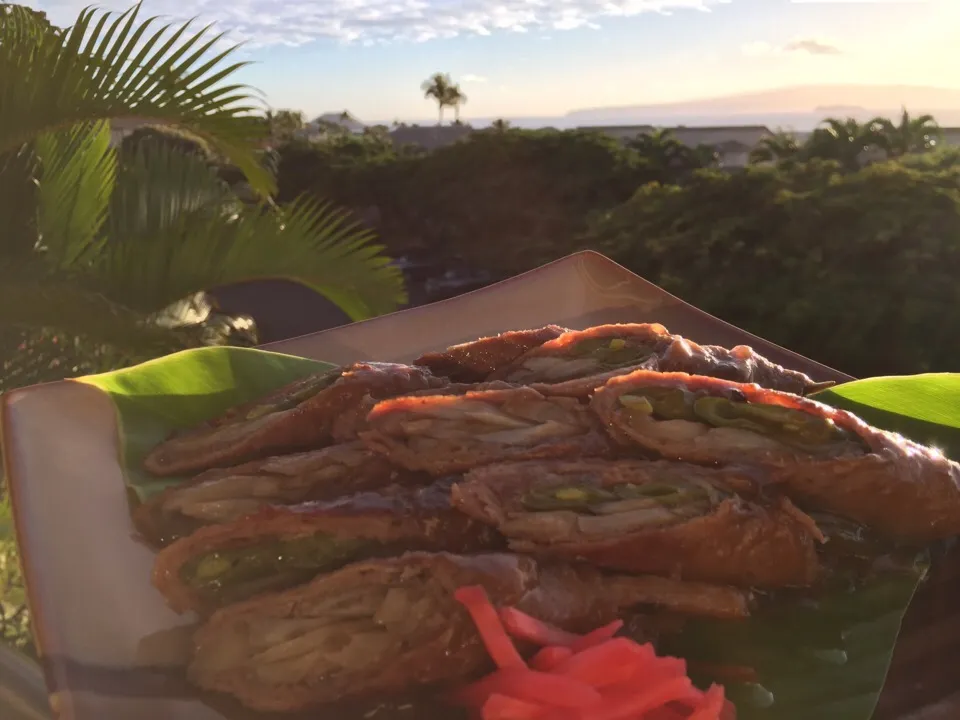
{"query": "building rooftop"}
pixel 344 119
pixel 429 137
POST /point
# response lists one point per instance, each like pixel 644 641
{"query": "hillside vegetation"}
pixel 844 248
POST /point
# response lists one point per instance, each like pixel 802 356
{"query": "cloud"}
pixel 263 23
pixel 813 47
pixel 471 78
pixel 808 46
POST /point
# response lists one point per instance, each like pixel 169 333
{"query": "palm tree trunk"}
pixel 456 113
pixel 440 122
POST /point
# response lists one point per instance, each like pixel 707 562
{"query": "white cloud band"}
pixel 296 22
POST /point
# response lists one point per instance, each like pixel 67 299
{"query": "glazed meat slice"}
pixel 584 387
pixel 454 388
pixel 477 360
pixel 641 516
pixel 282 546
pixel 607 350
pixel 583 353
pixel 826 459
pixel 387 626
pixel 226 494
pixel 740 363
pixel 308 414
pixel 443 434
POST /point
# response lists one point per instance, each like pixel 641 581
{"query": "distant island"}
pixel 839 109
pixel 799 108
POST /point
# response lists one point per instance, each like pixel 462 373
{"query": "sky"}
pixel 546 57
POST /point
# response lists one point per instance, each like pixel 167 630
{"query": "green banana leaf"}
pixel 184 389
pixel 827 659
pixel 925 408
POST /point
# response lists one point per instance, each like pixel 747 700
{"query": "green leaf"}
pixel 78 172
pixel 18 188
pixel 827 661
pixel 6 519
pixel 176 229
pixel 184 389
pixel 925 408
pixel 109 66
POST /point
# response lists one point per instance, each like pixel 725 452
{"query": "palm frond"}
pixel 77 176
pixel 157 185
pixel 175 229
pixel 109 66
pixel 23 24
pixel 18 188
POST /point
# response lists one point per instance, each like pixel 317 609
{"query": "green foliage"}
pixel 779 147
pixel 503 200
pixel 284 123
pixel 910 135
pixel 844 141
pixel 178 140
pixel 108 67
pixel 854 269
pixel 669 157
pixel 185 389
pixel 102 241
pixel 106 255
pixel 77 174
pixel 941 158
pixel 14 614
pixel 441 89
pixel 164 200
pixel 843 261
pixel 850 142
pixel 925 408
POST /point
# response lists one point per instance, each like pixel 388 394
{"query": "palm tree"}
pixel 661 148
pixel 500 125
pixel 284 123
pixel 110 239
pixel 779 147
pixel 703 156
pixel 913 134
pixel 844 141
pixel 455 99
pixel 438 87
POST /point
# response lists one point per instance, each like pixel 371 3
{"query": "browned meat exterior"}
pixel 475 361
pixel 826 459
pixel 582 353
pixel 454 388
pixel 741 364
pixel 282 546
pixel 382 627
pixel 443 434
pixel 664 518
pixel 226 494
pixel 304 415
pixel 584 387
pixel 615 349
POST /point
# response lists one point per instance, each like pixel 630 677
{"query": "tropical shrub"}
pixel 105 241
pixel 501 201
pixel 856 269
pixel 106 253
